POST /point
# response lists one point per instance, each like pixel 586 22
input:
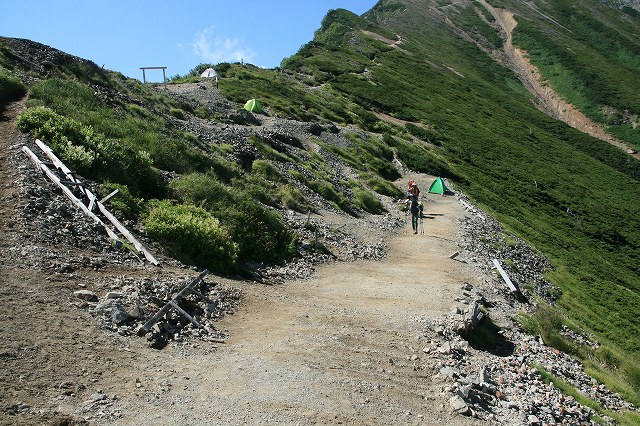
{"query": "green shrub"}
pixel 420 159
pixel 367 201
pixel 384 187
pixel 258 232
pixel 224 169
pixel 123 202
pixel 11 88
pixel 202 112
pixel 177 113
pixel 632 373
pixel 293 199
pixel 328 191
pixel 384 168
pixel 267 170
pixel 547 322
pixel 193 236
pixel 90 153
pixel 267 150
pixel 427 135
pixel 261 190
pixel 202 190
pixel 389 140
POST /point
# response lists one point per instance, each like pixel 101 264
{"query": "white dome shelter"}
pixel 209 73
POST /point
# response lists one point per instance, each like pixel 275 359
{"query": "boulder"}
pixel 458 405
pixel 87 295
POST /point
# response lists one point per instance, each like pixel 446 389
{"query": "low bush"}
pixel 177 113
pixel 258 231
pixel 261 190
pixel 11 88
pixel 328 191
pixel 90 153
pixel 367 201
pixel 427 135
pixel 420 159
pixel 384 187
pixel 266 170
pixel 293 199
pixel 547 322
pixel 202 190
pixel 193 235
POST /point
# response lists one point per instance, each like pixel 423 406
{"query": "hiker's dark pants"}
pixel 414 222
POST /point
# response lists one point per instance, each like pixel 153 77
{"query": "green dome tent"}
pixel 253 105
pixel 438 187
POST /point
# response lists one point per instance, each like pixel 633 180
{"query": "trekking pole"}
pixel 421 226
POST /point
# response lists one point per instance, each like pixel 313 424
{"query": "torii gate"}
pixel 164 76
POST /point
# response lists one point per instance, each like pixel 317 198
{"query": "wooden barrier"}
pixel 93 201
pixel 47 171
pixel 173 303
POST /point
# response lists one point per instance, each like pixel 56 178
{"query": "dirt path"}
pixel 343 346
pixel 548 100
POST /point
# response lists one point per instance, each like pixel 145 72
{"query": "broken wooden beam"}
pixel 47 171
pixel 505 277
pixel 470 319
pixel 173 303
pixel 93 201
pixel 120 227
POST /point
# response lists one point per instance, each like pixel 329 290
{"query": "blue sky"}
pixel 126 35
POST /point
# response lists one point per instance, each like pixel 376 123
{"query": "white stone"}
pixel 458 405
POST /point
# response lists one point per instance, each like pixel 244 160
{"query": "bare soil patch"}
pixel 548 100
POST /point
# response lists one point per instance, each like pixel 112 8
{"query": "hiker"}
pixel 414 208
pixel 414 204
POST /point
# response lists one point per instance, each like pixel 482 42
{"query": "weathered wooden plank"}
pixel 62 167
pixel 94 201
pixel 470 319
pixel 104 200
pixel 173 304
pixel 120 227
pixel 184 313
pixel 154 319
pixel 505 277
pixel 67 191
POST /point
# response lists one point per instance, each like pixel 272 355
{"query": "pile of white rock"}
pixel 131 304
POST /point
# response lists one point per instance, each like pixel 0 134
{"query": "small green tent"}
pixel 438 187
pixel 253 105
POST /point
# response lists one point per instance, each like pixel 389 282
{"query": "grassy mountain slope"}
pixel 180 173
pixel 573 197
pixel 590 54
